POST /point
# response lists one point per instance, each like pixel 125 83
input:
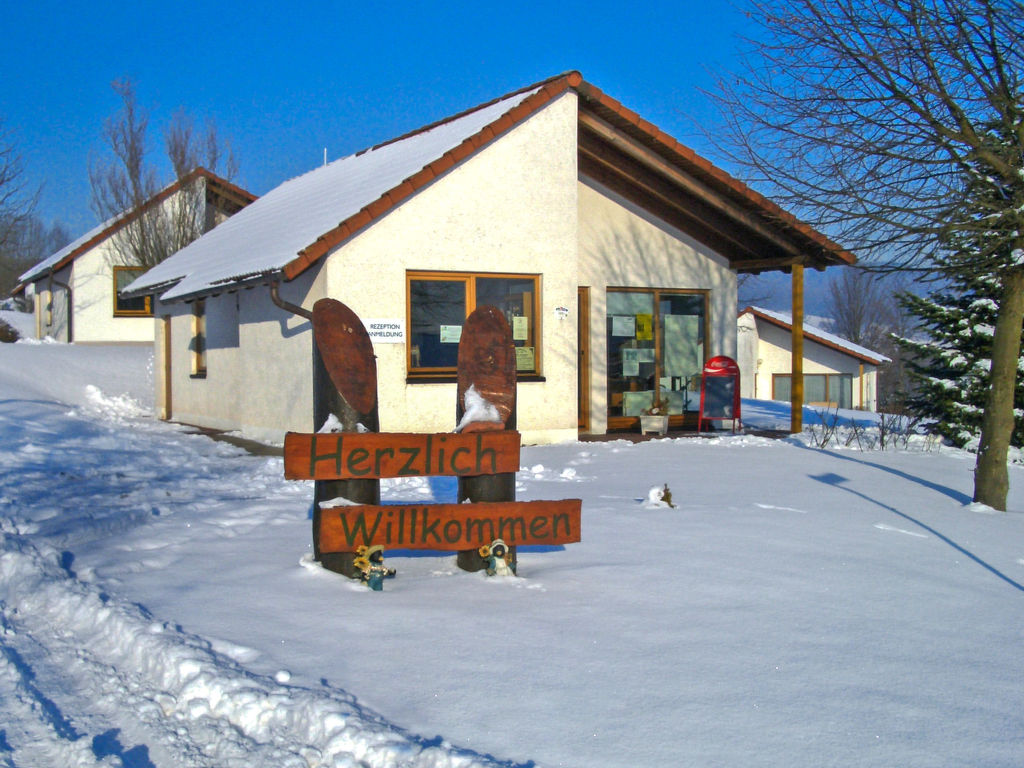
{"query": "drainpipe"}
pixel 287 306
pixel 67 288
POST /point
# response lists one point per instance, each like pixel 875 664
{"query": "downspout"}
pixel 67 289
pixel 287 306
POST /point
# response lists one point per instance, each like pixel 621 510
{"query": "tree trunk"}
pixel 991 478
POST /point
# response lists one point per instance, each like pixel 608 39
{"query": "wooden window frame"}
pixel 197 341
pixel 468 280
pixel 118 312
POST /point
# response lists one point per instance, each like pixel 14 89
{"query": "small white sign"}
pixel 451 334
pixel 386 331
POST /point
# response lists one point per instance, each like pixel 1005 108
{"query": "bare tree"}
pixel 127 185
pixel 860 307
pixel 881 123
pixel 16 200
pixel 29 242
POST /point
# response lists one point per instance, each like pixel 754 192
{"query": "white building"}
pixel 612 249
pixel 837 372
pixel 74 292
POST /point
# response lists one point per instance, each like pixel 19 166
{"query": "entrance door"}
pixel 656 347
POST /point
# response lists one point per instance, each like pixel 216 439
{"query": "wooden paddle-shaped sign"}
pixel 347 354
pixel 486 401
pixel 345 391
pixel 486 390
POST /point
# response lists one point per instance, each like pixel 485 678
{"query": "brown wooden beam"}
pixel 796 379
pixel 684 219
pixel 721 206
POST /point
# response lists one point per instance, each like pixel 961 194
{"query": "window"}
pixel 197 344
pixel 819 388
pixel 440 302
pixel 137 307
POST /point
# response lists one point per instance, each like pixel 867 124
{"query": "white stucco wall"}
pixel 510 208
pixel 259 375
pixel 92 285
pixel 622 246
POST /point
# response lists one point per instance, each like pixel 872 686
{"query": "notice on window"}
pixel 520 328
pixel 526 359
pixel 645 327
pixel 624 325
pixel 645 355
pixel 631 362
pixel 451 334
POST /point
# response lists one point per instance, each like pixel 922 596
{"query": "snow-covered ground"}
pixel 798 607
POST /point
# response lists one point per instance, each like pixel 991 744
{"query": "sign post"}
pixel 486 401
pixel 345 398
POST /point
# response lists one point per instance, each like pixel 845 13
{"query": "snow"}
pixel 22 322
pixel 159 605
pixel 476 408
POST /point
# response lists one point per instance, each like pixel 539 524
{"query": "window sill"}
pixel 198 375
pixel 526 378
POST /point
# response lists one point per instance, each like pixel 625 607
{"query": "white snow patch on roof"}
pixel 268 234
pixel 818 334
pixel 44 266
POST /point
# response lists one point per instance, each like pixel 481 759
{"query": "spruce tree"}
pixel 950 368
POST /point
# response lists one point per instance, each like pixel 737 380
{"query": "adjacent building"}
pixel 837 372
pixel 74 293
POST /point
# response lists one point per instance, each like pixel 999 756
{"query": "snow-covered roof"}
pixel 272 232
pixel 296 224
pixel 785 320
pixel 102 231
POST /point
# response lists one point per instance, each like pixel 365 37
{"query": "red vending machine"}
pixel 720 392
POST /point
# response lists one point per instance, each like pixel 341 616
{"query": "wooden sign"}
pixel 353 455
pixel 450 526
pixel 347 353
pixel 487 363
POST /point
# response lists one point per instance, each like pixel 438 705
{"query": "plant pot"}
pixel 657 424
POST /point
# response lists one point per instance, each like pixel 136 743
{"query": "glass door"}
pixel 656 342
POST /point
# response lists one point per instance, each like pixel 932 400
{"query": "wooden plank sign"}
pixel 449 526
pixel 354 455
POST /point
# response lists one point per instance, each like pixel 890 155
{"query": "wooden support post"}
pixel 344 386
pixel 487 364
pixel 796 419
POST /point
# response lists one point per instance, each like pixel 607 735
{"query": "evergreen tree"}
pixel 950 368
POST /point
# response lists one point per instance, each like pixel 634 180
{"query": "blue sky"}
pixel 284 81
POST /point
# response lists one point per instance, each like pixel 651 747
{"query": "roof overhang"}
pixel 632 157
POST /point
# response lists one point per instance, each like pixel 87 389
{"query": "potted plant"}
pixel 655 419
